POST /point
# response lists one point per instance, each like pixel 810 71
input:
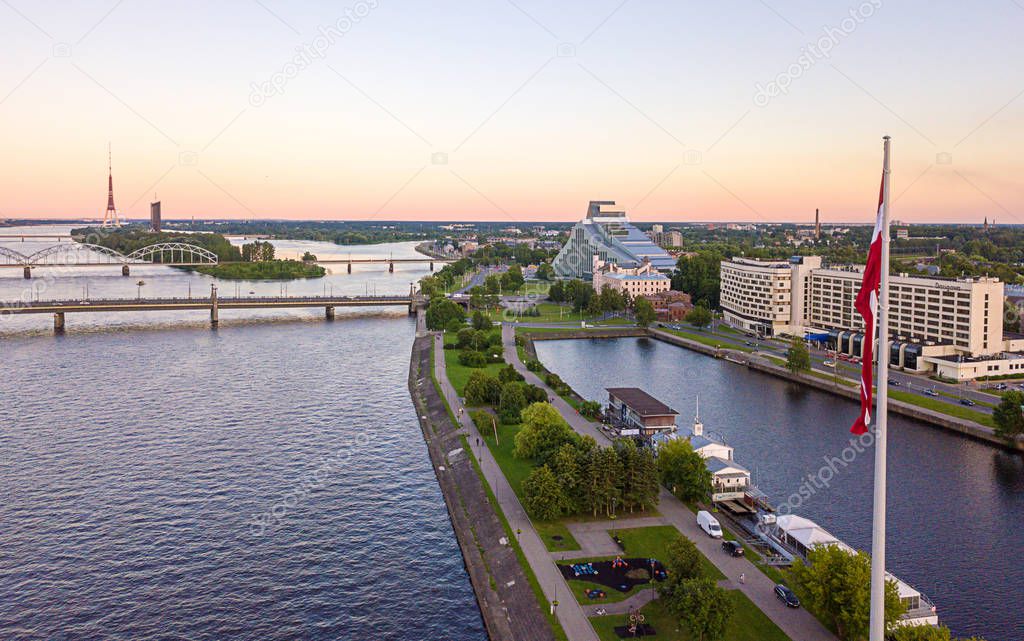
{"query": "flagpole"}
pixel 877 626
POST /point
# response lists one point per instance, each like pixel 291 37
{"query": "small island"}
pixel 265 270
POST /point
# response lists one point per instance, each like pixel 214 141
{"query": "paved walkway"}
pixel 570 613
pixel 798 624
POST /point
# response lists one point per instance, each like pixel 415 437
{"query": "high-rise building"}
pixel 154 216
pixel 613 239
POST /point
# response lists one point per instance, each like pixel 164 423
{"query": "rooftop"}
pixel 640 401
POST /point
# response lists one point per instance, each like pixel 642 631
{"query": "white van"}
pixel 709 524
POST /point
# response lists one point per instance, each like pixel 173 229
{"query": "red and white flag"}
pixel 867 306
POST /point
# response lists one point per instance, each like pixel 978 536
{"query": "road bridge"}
pixel 213 303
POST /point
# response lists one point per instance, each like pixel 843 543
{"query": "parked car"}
pixel 894 383
pixel 930 392
pixel 786 596
pixel 968 402
pixel 709 524
pixel 1001 386
pixel 733 548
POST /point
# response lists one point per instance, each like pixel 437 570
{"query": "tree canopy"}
pixel 1008 415
pixel 544 431
pixel 798 359
pixel 683 470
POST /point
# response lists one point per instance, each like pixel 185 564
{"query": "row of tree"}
pixel 575 475
pixel 692 596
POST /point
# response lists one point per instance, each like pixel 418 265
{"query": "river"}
pixel 267 480
pixel 955 508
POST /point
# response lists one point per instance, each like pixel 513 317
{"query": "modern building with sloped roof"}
pixel 611 237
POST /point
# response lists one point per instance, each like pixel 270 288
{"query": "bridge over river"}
pixel 213 303
pixel 175 254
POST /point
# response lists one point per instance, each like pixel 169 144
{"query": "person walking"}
pixel 743 577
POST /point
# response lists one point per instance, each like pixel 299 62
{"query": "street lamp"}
pixel 139 285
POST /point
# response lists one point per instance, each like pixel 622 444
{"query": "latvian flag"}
pixel 867 306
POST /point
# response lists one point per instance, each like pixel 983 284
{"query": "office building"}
pixel 154 216
pixel 611 237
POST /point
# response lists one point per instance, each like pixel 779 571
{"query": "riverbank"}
pixel 507 603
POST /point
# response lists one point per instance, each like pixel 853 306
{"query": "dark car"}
pixel 968 402
pixel 894 383
pixel 786 596
pixel 733 548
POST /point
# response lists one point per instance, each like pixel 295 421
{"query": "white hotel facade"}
pixel 953 327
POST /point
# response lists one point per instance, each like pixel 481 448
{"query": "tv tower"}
pixel 110 216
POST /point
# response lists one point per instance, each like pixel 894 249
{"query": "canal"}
pixel 267 480
pixel 956 506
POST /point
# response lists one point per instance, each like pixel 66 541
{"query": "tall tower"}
pixel 110 216
pixel 817 225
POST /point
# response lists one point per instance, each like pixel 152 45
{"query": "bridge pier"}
pixel 391 267
pixel 58 323
pixel 28 272
pixel 329 312
pixel 125 271
pixel 214 316
pixel 350 268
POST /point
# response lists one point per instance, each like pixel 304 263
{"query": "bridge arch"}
pixel 11 257
pixel 76 254
pixel 173 253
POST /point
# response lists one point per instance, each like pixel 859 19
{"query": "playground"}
pixel 621 575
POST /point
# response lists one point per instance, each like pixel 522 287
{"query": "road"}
pixel 798 624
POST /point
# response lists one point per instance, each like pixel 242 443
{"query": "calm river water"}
pixel 956 506
pixel 268 480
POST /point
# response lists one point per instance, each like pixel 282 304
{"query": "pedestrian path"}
pixel 798 624
pixel 570 613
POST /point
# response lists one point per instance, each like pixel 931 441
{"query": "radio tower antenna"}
pixel 110 217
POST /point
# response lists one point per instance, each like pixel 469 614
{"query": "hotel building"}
pixel 950 326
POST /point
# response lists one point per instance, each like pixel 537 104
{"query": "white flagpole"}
pixel 877 626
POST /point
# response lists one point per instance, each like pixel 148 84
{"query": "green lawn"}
pixel 710 341
pixel 459 374
pixel 748 623
pixel 952 409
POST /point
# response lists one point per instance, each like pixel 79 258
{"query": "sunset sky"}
pixel 512 109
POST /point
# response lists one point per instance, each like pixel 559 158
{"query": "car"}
pixel 829 363
pixel 930 392
pixel 733 548
pixel 786 596
pixel 709 524
pixel 894 383
pixel 1001 386
pixel 748 343
pixel 968 402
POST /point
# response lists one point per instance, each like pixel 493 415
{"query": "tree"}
pixel 567 464
pixel 798 359
pixel 309 257
pixel 545 271
pixel 591 409
pixel 683 470
pixel 512 279
pixel 441 311
pixel 684 562
pixel 481 321
pixel 472 358
pixel 556 293
pixel 508 374
pixel 644 312
pixel 544 431
pixel 698 276
pixel 702 607
pixel 511 402
pixel 258 251
pixel 835 585
pixel 542 495
pixel 699 316
pixel 924 633
pixel 464 338
pixel 1008 415
pixel 603 474
pixel 482 389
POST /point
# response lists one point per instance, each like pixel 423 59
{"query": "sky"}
pixel 522 110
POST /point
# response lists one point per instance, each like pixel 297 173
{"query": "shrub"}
pixel 470 358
